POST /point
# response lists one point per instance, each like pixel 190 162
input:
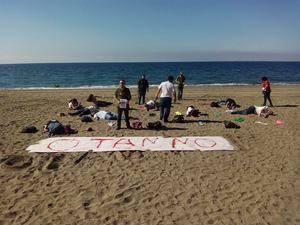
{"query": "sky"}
pixel 153 30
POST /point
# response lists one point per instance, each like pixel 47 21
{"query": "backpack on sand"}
pixel 86 119
pixel 229 124
pixel 214 104
pixel 154 125
pixel 29 129
pixel 178 119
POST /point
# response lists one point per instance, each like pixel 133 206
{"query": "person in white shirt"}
pixel 166 90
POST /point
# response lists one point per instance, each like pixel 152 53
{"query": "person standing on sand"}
pixel 266 90
pixel 143 87
pixel 123 97
pixel 180 81
pixel 166 89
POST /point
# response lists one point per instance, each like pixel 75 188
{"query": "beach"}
pixel 257 183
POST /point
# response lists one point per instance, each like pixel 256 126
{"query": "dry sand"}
pixel 258 183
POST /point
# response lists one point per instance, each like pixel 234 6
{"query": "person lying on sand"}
pixel 262 111
pixel 191 111
pixel 54 127
pixel 97 103
pixel 229 102
pixel 74 104
pixel 152 105
pixel 85 111
pixel 105 115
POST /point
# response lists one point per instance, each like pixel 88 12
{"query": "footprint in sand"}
pixel 17 161
pixel 54 164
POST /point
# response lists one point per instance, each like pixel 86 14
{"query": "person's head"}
pixel 264 78
pixel 91 98
pixel 181 74
pixel 143 76
pixel 170 79
pixel 74 102
pixel 266 112
pixel 122 83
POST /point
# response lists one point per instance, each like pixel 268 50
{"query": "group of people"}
pixel 143 87
pixel 166 92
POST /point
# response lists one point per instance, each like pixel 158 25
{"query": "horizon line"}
pixel 188 61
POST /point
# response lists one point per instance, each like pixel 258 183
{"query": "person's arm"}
pixel 157 93
pixel 268 85
pixel 174 94
pixel 117 95
pixel 263 85
pixel 129 95
pixel 147 85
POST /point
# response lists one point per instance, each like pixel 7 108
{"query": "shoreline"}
pixel 151 86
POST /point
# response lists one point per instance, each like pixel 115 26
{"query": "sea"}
pixel 107 75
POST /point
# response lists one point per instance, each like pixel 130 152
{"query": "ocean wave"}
pixel 135 86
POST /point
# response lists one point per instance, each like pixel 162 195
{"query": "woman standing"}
pixel 266 90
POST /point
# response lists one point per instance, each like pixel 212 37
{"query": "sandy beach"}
pixel 257 183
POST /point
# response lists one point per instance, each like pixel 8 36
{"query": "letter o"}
pixel 68 145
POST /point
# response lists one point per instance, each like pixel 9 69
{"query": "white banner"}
pixel 103 144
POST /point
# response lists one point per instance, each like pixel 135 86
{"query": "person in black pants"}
pixel 266 90
pixel 123 96
pixel 143 87
pixel 247 111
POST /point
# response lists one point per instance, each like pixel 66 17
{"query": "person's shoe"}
pixel 118 128
pixel 129 127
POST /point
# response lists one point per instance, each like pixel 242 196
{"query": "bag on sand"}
pixel 215 104
pixel 154 125
pixel 29 129
pixel 229 124
pixel 178 119
pixel 86 119
pixel 137 124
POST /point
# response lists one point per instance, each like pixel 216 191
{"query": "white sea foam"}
pixel 135 86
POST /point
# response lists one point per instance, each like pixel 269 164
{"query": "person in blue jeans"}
pixel 166 90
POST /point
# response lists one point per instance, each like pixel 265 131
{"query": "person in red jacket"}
pixel 266 90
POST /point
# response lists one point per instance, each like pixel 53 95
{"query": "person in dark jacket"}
pixel 143 87
pixel 180 82
pixel 123 97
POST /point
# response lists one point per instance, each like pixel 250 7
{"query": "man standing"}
pixel 166 89
pixel 143 87
pixel 123 96
pixel 180 81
